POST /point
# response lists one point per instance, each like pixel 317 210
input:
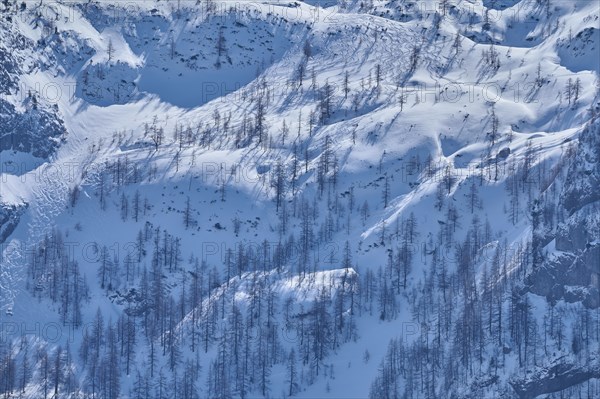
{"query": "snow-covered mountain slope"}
pixel 299 199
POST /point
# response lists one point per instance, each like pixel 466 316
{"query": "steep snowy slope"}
pixel 307 199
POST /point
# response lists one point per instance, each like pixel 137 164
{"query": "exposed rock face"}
pixel 573 274
pixel 9 218
pixel 583 185
pixel 561 375
pixel 35 128
pixel 503 154
pixel 36 131
pixel 9 58
pixel 572 236
pixel 7 67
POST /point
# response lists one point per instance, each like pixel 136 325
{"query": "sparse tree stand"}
pixel 157 136
pixel 259 125
pixel 539 81
pixel 285 130
pixel 386 192
pixel 473 197
pixel 187 214
pixel 494 125
pixel 378 75
pixel 346 84
pixel 220 48
pixel 457 43
pixel 292 373
pixel 110 50
pixel 278 182
pixel 172 50
pixel 326 95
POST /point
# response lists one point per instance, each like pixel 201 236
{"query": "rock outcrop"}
pixel 572 273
